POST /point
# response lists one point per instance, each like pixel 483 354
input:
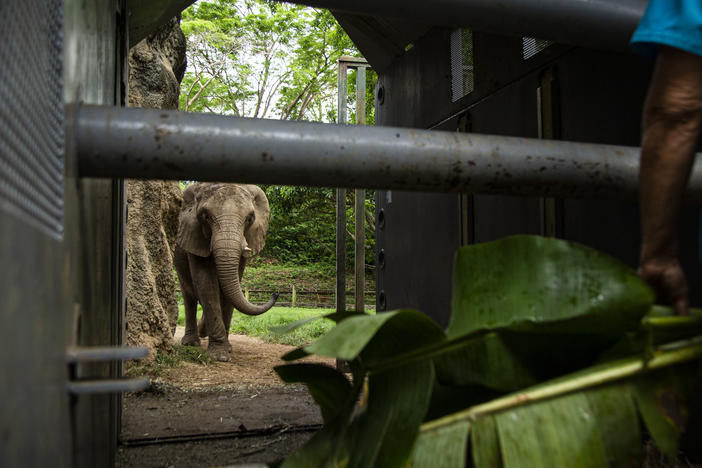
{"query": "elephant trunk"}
pixel 227 253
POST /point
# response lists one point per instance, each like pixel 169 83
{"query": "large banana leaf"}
pixel 541 284
pixel 525 310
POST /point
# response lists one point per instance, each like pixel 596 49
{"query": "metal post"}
pixel 341 204
pixel 158 144
pixel 545 111
pixel 605 24
pixel 360 209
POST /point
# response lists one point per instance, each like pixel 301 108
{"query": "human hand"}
pixel 668 280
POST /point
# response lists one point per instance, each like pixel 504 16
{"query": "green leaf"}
pixel 560 432
pixel 487 361
pixel 328 447
pixel 520 282
pixel 351 336
pixel 329 387
pixel 444 447
pixel 485 443
pixel 295 354
pixel 383 436
pixel 661 398
pixel 288 327
pixel 615 413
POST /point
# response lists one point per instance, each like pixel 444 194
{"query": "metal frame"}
pixel 360 65
pixel 150 144
pixel 600 24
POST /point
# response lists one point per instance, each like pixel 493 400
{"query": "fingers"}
pixel 668 281
pixel 680 307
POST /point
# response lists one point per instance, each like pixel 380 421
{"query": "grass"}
pixel 164 361
pixel 260 325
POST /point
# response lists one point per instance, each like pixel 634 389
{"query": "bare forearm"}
pixel 666 158
pixel 671 127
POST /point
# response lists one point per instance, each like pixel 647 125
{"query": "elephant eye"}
pixel 250 219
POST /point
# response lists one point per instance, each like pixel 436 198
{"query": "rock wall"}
pixel 156 67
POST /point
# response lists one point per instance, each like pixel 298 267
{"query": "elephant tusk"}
pixel 248 253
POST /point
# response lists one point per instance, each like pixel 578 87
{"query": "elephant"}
pixel 219 228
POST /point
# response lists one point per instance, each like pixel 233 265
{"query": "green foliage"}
pixel 371 79
pixel 514 296
pixel 303 225
pixel 258 58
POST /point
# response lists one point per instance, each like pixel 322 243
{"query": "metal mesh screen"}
pixel 532 46
pixel 461 63
pixel 31 112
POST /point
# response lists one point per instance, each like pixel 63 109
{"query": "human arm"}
pixel 671 127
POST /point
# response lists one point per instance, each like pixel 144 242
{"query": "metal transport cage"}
pixel 481 131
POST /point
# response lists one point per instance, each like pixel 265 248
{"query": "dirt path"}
pixel 230 402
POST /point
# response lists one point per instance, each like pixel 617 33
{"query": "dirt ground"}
pixel 220 414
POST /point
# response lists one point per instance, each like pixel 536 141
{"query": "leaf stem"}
pixel 625 368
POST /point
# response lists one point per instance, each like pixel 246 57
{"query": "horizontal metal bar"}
pixel 158 144
pixel 604 24
pixel 106 353
pixel 91 387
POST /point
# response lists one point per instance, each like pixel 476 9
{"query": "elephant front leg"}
pixel 227 312
pixel 190 338
pixel 189 300
pixel 207 286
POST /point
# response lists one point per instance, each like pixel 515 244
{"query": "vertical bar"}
pixel 545 116
pixel 466 201
pixel 361 95
pixel 341 205
pixel 360 253
pixel 360 209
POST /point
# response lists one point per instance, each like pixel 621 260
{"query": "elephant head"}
pixel 228 222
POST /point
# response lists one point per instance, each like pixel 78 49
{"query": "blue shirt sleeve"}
pixel 674 23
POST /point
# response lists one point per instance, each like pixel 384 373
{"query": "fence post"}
pixel 294 296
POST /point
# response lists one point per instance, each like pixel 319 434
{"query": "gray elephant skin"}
pixel 220 227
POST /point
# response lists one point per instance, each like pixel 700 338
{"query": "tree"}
pixel 257 58
pixel 303 225
pixel 156 66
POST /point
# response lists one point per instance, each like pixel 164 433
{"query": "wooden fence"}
pixel 295 297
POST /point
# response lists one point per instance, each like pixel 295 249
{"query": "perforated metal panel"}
pixel 532 46
pixel 31 112
pixel 461 63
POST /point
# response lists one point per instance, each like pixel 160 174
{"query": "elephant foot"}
pixel 219 350
pixel 190 340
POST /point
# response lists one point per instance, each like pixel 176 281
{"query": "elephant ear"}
pixel 190 237
pixel 256 233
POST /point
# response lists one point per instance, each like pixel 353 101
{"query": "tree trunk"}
pixel 156 67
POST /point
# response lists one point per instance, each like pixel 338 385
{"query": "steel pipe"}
pixel 602 24
pixel 93 387
pixel 104 354
pixel 157 144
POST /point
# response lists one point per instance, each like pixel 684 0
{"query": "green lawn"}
pixel 260 325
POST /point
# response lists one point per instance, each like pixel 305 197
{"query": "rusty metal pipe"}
pixel 602 24
pixel 157 144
